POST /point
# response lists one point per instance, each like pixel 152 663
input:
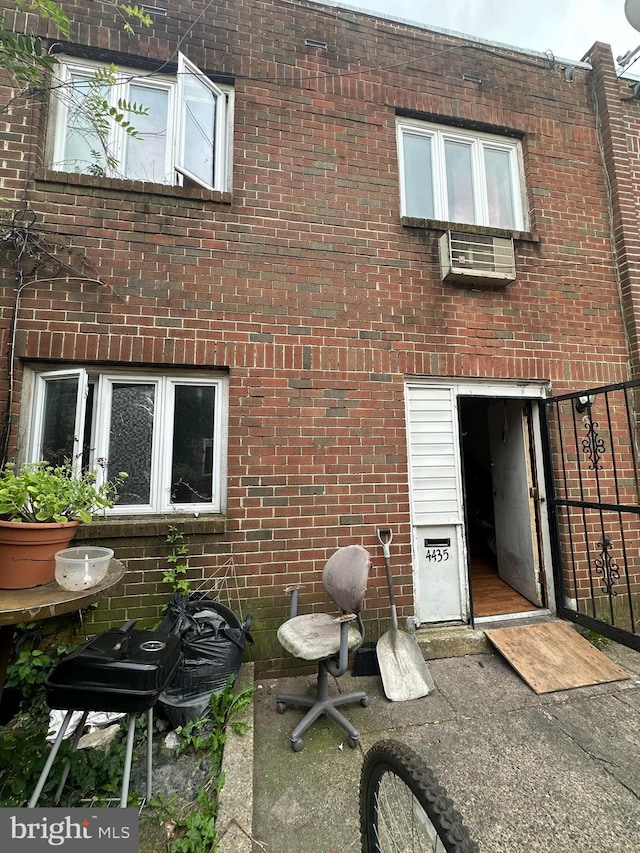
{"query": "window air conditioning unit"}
pixel 476 258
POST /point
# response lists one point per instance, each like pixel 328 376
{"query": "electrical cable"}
pixel 305 251
pixel 26 245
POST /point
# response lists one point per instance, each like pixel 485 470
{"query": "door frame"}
pixel 532 391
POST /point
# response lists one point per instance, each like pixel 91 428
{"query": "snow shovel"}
pixel 402 666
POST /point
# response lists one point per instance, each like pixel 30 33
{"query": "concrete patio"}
pixel 554 773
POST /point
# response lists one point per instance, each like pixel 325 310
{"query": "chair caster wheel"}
pixel 297 745
pixel 365 702
pixel 281 707
pixel 353 741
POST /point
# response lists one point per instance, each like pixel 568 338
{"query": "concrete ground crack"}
pixel 607 765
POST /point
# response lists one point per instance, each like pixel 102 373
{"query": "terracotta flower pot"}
pixel 27 552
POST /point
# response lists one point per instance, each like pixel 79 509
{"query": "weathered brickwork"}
pixel 304 284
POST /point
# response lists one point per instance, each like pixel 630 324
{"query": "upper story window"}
pixel 460 176
pixel 166 431
pixel 183 137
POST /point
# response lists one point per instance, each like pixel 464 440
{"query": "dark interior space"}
pixel 490 595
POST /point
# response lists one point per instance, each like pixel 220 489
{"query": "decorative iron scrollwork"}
pixel 592 444
pixel 606 567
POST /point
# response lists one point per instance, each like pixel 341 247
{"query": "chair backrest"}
pixel 345 577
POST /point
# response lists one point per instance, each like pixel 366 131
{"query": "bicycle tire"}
pixel 403 808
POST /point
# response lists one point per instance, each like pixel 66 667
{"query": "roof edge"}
pixel 335 4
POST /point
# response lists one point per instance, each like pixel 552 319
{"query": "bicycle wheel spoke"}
pixel 402 824
pixel 403 809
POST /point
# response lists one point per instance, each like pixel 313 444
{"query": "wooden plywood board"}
pixel 553 656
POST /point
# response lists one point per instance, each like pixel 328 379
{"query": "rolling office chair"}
pixel 328 639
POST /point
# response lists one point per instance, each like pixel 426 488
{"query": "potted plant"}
pixel 41 506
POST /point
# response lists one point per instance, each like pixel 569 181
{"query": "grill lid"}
pixel 122 662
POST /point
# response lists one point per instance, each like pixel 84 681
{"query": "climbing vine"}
pixel 178 560
pixel 35 255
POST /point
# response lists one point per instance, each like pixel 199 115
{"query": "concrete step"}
pixel 446 641
pixel 454 640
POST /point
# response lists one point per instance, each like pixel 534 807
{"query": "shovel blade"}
pixel 402 667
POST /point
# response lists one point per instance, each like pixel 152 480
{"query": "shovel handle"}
pixel 385 537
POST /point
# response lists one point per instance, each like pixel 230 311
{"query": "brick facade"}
pixel 305 285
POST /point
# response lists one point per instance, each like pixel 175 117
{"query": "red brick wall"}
pixel 618 125
pixel 305 285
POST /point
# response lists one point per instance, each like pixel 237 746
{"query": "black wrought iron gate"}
pixel 593 490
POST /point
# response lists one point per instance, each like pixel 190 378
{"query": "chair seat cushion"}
pixel 314 636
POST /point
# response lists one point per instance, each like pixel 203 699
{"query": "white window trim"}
pixel 479 141
pixel 218 431
pixel 174 170
pixel 220 142
pixel 37 427
pixel 123 139
pixel 32 421
pixel 104 387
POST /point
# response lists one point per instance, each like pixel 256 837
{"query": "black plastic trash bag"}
pixel 213 641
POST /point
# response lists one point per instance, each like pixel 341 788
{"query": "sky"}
pixel 566 27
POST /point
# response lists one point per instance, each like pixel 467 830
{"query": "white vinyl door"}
pixel 434 465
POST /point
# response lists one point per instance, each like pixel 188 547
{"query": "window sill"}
pixel 439 225
pixel 131 527
pixel 76 179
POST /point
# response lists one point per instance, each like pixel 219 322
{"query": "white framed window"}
pixel 460 176
pixel 167 432
pixel 185 133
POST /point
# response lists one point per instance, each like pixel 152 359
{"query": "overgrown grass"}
pixel 96 775
pixel 595 639
pixel 192 826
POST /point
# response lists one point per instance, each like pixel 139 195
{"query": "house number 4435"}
pixel 437 555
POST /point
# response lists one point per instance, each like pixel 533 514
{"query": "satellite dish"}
pixel 632 13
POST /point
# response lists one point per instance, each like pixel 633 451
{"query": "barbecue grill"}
pixel 120 670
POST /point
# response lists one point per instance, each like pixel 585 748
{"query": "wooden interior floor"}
pixel 491 595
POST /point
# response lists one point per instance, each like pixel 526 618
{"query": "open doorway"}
pixel 502 524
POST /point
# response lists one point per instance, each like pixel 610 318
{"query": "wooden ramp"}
pixel 553 656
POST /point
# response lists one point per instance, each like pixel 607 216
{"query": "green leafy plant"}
pixel 136 13
pixel 44 493
pixel 195 823
pixel 596 639
pixel 97 114
pixel 227 704
pixel 192 736
pixel 47 9
pixel 199 833
pixel 29 66
pixel 28 671
pixel 25 57
pixel 178 561
pixel 24 749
